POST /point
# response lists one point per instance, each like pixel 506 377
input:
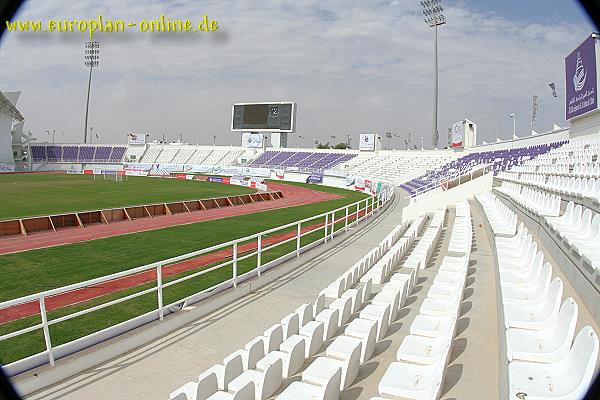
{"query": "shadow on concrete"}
pixel 451 377
pixel 462 324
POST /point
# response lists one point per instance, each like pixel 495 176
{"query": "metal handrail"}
pixel 433 185
pixel 369 206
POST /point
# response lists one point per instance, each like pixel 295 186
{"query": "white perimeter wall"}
pixel 542 138
pixel 586 125
pixel 429 203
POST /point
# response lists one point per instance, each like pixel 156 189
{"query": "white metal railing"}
pixel 352 216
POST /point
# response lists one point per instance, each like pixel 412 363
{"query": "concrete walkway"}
pixel 152 371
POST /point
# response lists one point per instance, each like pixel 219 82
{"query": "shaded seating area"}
pixel 304 160
pixel 77 153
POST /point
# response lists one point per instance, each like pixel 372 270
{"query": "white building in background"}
pixel 8 116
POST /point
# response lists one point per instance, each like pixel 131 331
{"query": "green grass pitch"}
pixel 37 270
pixel 25 195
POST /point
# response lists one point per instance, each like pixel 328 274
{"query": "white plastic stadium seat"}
pixel 535 316
pixel 424 350
pixel 292 354
pixel 412 381
pixel 308 391
pixel 548 345
pixel 231 368
pixel 366 331
pixel 379 314
pixel 344 353
pixel 568 378
pixel 266 378
pixel 207 389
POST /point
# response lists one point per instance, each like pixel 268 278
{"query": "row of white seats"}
pixel 568 154
pixel 422 252
pixel 538 202
pixel 579 227
pixel 418 372
pixel 416 226
pixel 539 331
pixel 502 220
pixel 462 231
pixel 257 371
pixel 580 187
pixel 544 361
pixel 589 170
pixel 326 376
pixel 422 357
pixel 544 169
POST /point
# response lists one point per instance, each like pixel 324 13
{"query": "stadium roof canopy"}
pixel 8 107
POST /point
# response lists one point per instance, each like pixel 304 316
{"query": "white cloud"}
pixel 352 66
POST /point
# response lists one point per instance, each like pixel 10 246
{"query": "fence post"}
pixel 235 248
pixel 346 221
pixel 46 330
pixel 332 223
pixel 357 212
pixel 259 254
pixel 326 222
pixel 159 285
pixel 298 240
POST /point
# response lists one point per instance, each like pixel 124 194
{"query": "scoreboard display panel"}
pixel 266 117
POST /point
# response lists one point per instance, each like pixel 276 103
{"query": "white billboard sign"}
pixel 366 142
pixel 254 140
pixel 136 138
pixel 457 134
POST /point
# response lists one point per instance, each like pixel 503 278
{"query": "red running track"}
pixel 116 285
pixel 293 196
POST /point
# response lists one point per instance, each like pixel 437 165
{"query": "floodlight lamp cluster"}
pixel 91 57
pixel 432 11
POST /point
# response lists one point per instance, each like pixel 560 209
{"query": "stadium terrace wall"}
pixel 73 167
pixel 588 124
pixel 541 138
pixel 81 219
pixel 430 201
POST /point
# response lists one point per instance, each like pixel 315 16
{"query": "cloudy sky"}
pixel 352 66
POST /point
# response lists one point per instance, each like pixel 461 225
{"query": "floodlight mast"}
pixel 432 13
pixel 91 58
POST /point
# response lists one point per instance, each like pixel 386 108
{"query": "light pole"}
pixel 432 12
pixel 514 118
pixel 553 87
pixel 91 59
